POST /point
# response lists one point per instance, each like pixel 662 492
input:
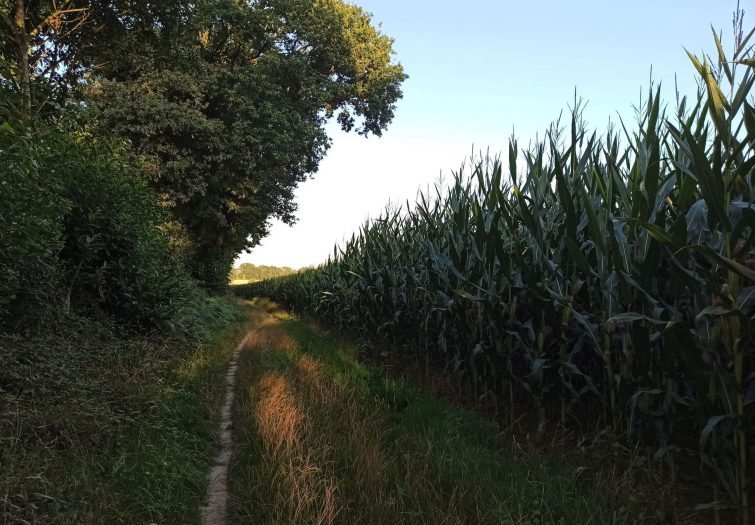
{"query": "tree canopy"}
pixel 223 102
pixel 231 116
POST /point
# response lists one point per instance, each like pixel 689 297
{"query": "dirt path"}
pixel 322 438
pixel 214 513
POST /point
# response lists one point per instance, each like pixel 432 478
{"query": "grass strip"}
pixel 323 438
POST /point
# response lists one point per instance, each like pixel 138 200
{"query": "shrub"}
pixel 32 206
pixel 80 230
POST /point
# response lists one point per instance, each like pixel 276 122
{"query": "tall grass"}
pixel 101 425
pixel 606 281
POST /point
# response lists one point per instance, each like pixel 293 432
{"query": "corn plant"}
pixel 605 281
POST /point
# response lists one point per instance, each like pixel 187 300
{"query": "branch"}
pixel 55 14
pixel 79 23
pixel 263 48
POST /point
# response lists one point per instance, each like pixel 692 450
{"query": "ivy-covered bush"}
pixel 80 231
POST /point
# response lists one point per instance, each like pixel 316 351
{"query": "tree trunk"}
pixel 22 38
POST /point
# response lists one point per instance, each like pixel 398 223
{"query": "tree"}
pixel 230 117
pixel 36 49
pixel 250 272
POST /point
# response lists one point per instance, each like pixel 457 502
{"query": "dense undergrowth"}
pixel 111 352
pixel 102 425
pixel 604 282
pixel 82 232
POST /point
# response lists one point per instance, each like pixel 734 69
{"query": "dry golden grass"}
pixel 303 491
pixel 301 415
pixel 278 416
pixel 267 338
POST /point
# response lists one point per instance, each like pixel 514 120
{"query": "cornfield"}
pixel 604 281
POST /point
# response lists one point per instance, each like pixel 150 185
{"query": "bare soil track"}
pixel 215 511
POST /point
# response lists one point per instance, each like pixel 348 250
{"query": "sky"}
pixel 480 70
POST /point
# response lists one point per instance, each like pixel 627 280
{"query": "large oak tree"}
pixel 227 101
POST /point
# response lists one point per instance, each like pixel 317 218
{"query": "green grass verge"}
pixel 323 438
pixel 100 426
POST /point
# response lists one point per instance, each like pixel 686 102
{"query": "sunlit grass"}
pixel 325 439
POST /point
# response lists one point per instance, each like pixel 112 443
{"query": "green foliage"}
pixel 32 206
pixel 81 232
pixel 231 116
pixel 605 281
pixel 101 425
pixel 114 256
pixel 223 103
pixel 39 53
pixel 250 272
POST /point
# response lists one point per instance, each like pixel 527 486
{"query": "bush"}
pixel 32 206
pixel 80 230
pixel 115 259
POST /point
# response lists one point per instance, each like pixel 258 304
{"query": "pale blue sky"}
pixel 480 68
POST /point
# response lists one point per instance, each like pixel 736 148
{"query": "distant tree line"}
pixel 250 272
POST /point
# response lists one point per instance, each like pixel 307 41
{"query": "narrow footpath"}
pixel 215 511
